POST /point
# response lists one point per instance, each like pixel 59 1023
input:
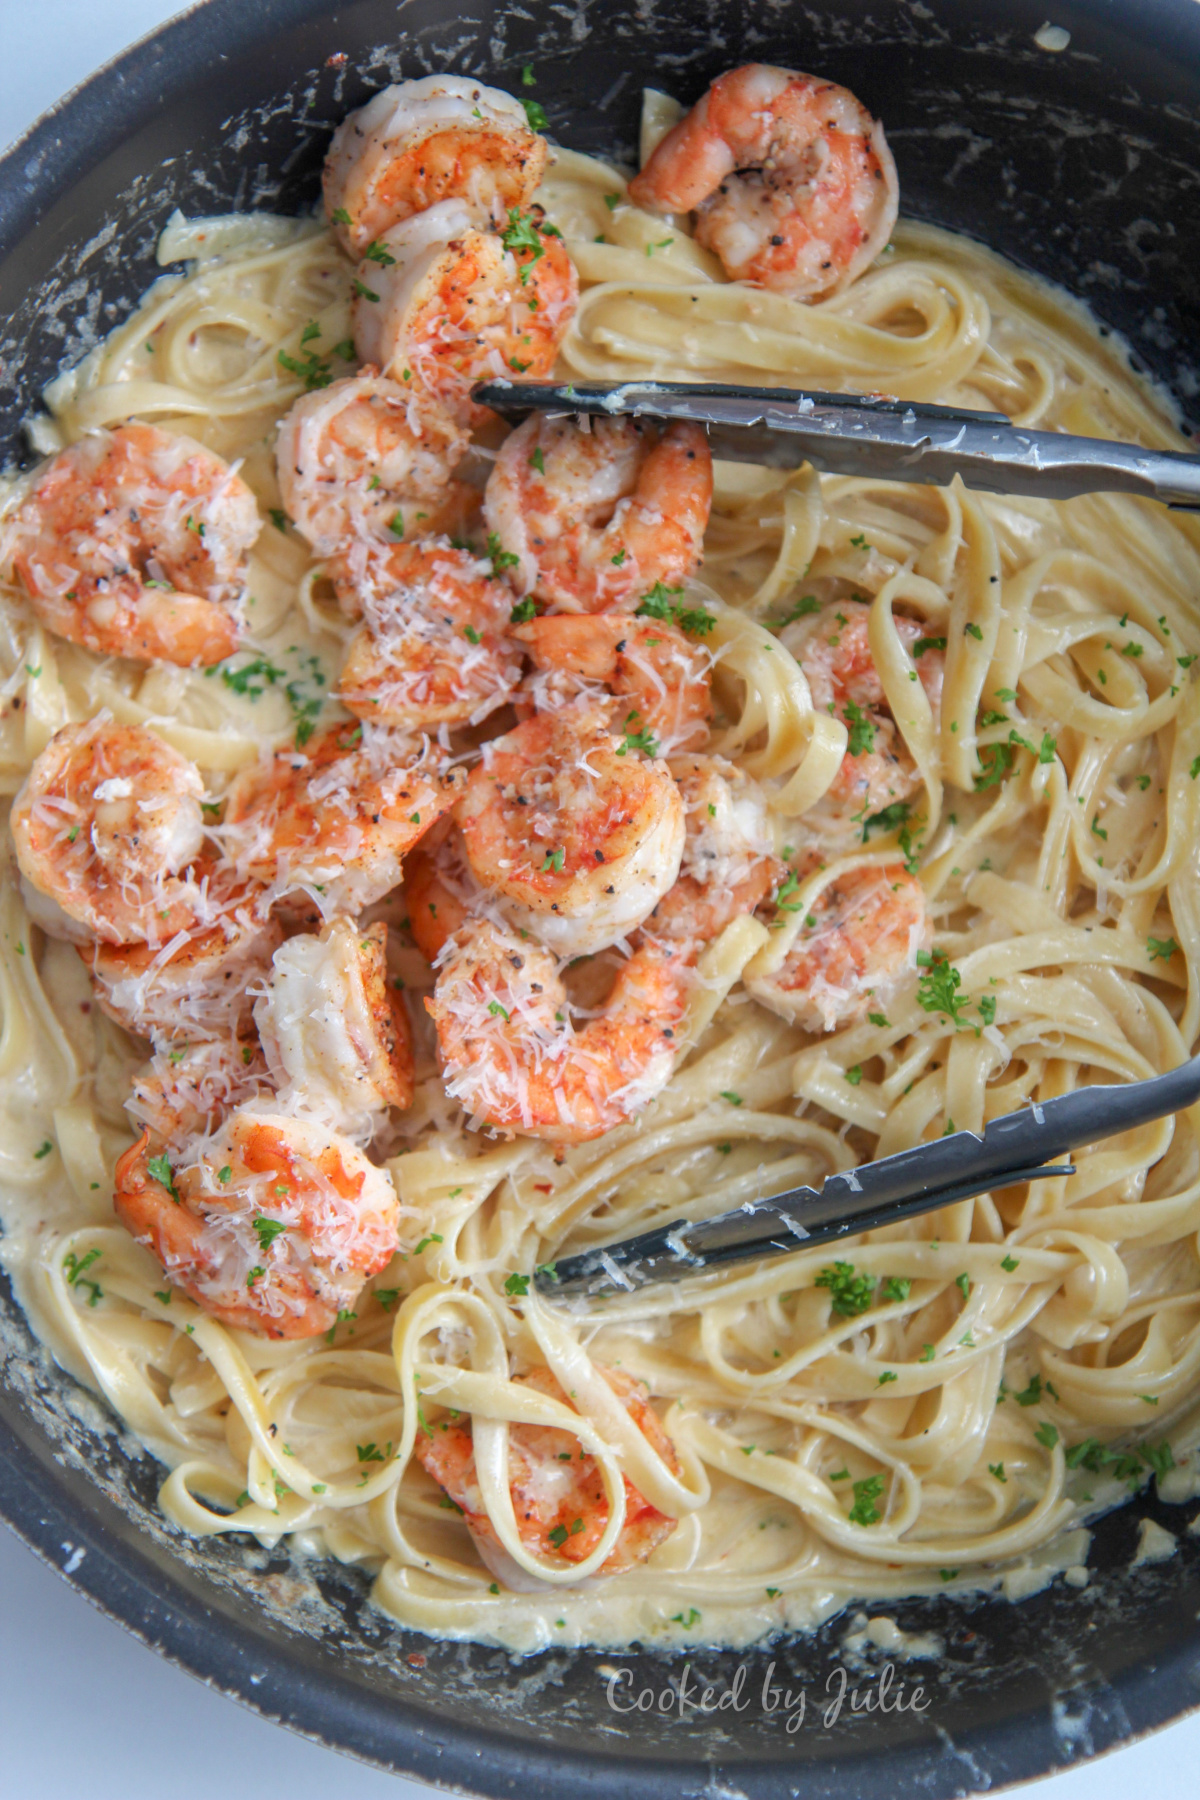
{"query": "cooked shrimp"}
pixel 441 304
pixel 272 1224
pixel 558 1495
pixel 511 1056
pixel 105 828
pixel 790 178
pixel 133 542
pixel 334 819
pixel 834 650
pixel 443 137
pixel 659 679
pixel 866 929
pixel 729 864
pixel 576 838
pixel 596 512
pixel 432 649
pixel 187 1090
pixel 334 1033
pixel 193 986
pixel 355 465
pixel 441 892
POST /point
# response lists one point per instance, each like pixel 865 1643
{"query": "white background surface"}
pixel 83 1707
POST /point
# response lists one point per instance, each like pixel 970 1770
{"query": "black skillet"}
pixel 1082 164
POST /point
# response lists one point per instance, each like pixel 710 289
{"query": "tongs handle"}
pixel 1019 1146
pixel 872 436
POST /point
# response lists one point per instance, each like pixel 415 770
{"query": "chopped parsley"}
pixel 497 1011
pixel 536 115
pixel 862 730
pixel 517 1286
pixel 937 988
pixel 928 643
pixel 996 762
pixel 376 252
pixel 76 1268
pixel 799 609
pixel 267 1230
pixel 896 1287
pixel 521 235
pixel 643 740
pixel 1163 948
pixel 850 1293
pixel 867 1493
pixel 501 559
pixel 662 602
pixel 363 291
pixel 369 1453
pixel 523 611
pixel 160 1168
pixel 554 860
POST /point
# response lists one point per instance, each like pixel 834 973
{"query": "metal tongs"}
pixel 873 436
pixel 1020 1146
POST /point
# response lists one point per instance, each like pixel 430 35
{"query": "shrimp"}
pixel 729 864
pixel 334 1034
pixel 272 1224
pixel 659 679
pixel 105 828
pixel 834 650
pixel 590 515
pixel 576 838
pixel 866 928
pixel 441 892
pixel 790 178
pixel 187 1090
pixel 333 820
pixel 133 542
pixel 443 137
pixel 432 650
pixel 353 464
pixel 440 304
pixel 514 1061
pixel 196 985
pixel 558 1495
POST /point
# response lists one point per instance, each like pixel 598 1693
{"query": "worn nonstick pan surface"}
pixel 1083 165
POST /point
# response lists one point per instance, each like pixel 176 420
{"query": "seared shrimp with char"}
pixel 334 820
pixel 432 649
pixel 729 864
pixel 790 178
pixel 356 467
pixel 133 542
pixel 106 828
pixel 591 514
pixel 558 1496
pixel 442 304
pixel 659 680
pixel 197 984
pixel 185 1090
pixel 272 1224
pixel 334 1032
pixel 419 143
pixel 512 1056
pixel 857 941
pixel 575 836
pixel 834 649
